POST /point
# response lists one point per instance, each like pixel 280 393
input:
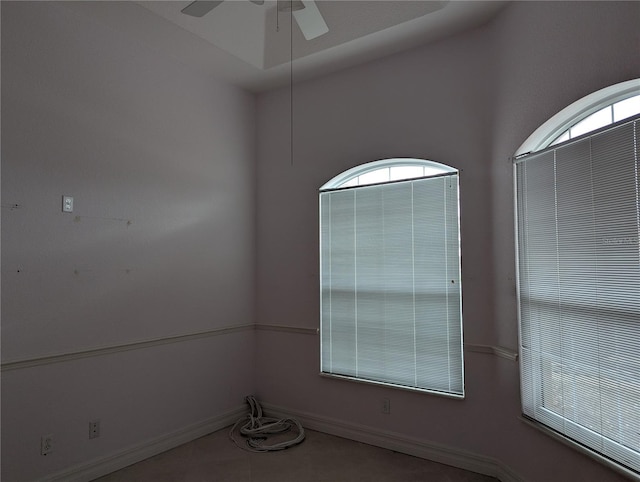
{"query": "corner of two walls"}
pixel 137 308
pixel 435 103
pixel 468 101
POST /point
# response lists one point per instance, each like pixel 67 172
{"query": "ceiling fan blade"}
pixel 257 2
pixel 310 20
pixel 200 8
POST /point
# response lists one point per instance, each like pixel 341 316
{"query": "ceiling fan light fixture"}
pixel 290 5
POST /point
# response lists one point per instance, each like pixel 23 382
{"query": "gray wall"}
pixel 133 136
pixel 136 136
pixel 467 101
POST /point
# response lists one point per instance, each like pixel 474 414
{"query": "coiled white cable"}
pixel 258 428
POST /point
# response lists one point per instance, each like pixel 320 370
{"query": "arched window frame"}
pixel 345 177
pixel 571 115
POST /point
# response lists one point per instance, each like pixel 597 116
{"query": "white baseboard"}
pixel 399 443
pixel 389 440
pixel 98 467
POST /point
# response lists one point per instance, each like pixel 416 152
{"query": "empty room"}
pixel 409 225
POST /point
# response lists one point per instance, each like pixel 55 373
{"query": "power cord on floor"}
pixel 258 429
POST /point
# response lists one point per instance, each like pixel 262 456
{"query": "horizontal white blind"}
pixel 390 283
pixel 578 224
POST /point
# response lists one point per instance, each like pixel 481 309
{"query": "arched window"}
pixel 390 276
pixel 586 115
pixel 387 170
pixel 578 225
pixel 608 115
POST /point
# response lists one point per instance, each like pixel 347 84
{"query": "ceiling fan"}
pixel 305 12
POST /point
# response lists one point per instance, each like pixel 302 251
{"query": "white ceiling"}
pixel 252 45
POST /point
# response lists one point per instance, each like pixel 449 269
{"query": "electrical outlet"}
pixel 67 204
pixel 94 429
pixel 386 406
pixel 46 444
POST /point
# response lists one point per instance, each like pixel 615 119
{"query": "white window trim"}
pixel 361 169
pixel 544 135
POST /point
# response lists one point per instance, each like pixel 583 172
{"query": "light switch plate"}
pixel 67 204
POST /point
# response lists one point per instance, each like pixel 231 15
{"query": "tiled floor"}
pixel 320 457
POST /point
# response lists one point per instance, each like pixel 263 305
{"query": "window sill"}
pixel 391 385
pixel 616 467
